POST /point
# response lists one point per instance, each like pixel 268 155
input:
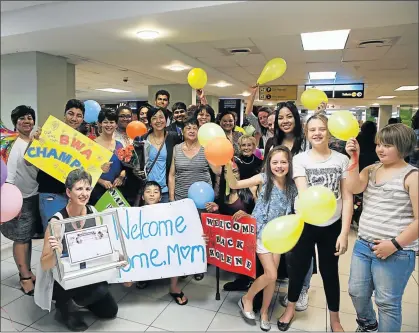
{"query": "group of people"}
pixel 297 155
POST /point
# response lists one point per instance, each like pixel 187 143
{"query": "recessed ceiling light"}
pixel 245 93
pixel 386 97
pixel 325 40
pixel 177 67
pixel 222 84
pixel 407 88
pixel 322 75
pixel 147 34
pixel 112 90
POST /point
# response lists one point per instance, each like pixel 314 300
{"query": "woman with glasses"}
pixel 179 115
pixel 124 114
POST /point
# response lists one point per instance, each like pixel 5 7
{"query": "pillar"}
pixel 178 93
pixel 384 115
pixel 42 81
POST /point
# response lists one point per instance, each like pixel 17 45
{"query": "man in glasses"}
pixel 162 101
pixel 179 115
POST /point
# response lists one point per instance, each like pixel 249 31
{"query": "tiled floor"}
pixel 153 310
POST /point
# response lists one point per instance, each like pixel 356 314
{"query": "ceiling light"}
pixel 361 106
pixel 245 93
pixel 375 104
pixel 325 40
pixel 322 75
pixel 222 84
pixel 112 90
pixel 270 104
pixel 386 97
pixel 147 34
pixel 407 88
pixel 177 67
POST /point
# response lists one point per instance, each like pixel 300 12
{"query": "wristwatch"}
pixel 396 244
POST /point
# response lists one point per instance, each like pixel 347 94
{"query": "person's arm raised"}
pixel 356 182
pixel 245 183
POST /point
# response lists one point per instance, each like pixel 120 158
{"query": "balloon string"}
pixel 355 163
pixel 10 318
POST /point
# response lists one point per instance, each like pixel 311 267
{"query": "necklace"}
pixel 78 224
pixel 155 141
pixel 242 161
pixel 192 147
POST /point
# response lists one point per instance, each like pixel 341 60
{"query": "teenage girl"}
pixel 275 199
pixel 320 166
pixel 384 253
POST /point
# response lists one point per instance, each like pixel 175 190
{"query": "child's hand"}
pixel 211 207
pixel 206 239
pixel 352 147
pixel 238 215
pixel 383 248
pixel 341 244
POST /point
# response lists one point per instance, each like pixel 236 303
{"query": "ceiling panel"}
pixel 362 54
pixel 402 52
pixel 223 44
pixel 219 61
pixel 197 50
pixel 288 47
pixel 358 35
pixel 323 56
pixel 249 60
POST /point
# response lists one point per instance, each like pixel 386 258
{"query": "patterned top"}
pixel 189 171
pixel 387 210
pixel 277 205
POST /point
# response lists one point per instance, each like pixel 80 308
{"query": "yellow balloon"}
pixel 239 129
pixel 343 125
pixel 197 78
pixel 273 70
pixel 316 205
pixel 281 234
pixel 312 98
pixel 208 132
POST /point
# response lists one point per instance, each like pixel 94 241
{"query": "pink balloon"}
pixel 258 154
pixel 11 202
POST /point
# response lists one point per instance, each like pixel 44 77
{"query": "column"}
pixel 178 93
pixel 384 115
pixel 42 81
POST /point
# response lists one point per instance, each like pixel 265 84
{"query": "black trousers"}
pixel 96 297
pixel 300 258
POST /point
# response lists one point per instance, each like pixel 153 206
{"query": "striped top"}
pixel 387 209
pixel 189 171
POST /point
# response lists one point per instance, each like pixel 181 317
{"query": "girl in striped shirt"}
pixel 384 253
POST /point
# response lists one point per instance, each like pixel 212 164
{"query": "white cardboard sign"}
pixel 162 240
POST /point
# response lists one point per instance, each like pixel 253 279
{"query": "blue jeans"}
pixel 164 197
pixel 49 204
pixel 389 279
pixel 306 283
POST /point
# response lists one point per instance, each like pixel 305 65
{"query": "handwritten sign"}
pixel 232 244
pixel 162 240
pixel 61 149
pixel 111 199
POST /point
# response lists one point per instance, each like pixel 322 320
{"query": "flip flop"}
pixel 176 297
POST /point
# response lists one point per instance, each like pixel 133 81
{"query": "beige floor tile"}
pixel 406 328
pixel 313 319
pixel 346 304
pixel 411 293
pixel 347 320
pixel 316 281
pixel 317 298
pixel 410 314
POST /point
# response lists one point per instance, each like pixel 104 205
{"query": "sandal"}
pixel 198 277
pixel 30 292
pixel 177 296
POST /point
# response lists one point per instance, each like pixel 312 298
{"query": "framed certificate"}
pixel 88 244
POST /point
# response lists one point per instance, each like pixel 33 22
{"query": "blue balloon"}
pixel 201 193
pixel 91 111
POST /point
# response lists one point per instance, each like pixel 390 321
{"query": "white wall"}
pixel 178 93
pixel 18 83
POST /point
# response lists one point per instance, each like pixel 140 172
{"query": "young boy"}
pixel 384 254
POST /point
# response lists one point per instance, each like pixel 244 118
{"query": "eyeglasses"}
pixel 125 116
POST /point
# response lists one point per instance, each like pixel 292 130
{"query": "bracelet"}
pixel 396 244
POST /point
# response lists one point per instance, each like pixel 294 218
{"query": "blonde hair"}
pixel 320 117
pixel 398 135
pixel 247 137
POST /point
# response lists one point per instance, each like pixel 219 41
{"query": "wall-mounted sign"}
pixel 340 90
pixel 278 93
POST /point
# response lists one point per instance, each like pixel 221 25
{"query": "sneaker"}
pixel 302 303
pixel 366 328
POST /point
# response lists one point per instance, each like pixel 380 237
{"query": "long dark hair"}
pixel 245 195
pixel 267 110
pixel 279 135
pixel 270 176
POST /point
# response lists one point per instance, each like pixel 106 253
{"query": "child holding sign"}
pixel 276 198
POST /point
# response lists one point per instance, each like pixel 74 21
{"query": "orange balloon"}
pixel 219 152
pixel 136 128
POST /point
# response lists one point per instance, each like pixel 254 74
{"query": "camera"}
pixel 125 79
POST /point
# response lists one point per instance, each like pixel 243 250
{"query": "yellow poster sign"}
pixel 61 149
